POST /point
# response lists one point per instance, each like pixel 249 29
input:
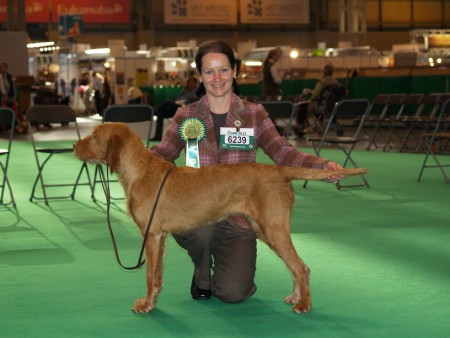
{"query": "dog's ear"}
pixel 113 152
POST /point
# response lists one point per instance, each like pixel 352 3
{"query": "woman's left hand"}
pixel 334 166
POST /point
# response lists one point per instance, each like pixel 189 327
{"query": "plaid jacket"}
pixel 250 115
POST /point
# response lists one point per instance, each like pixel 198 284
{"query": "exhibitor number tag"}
pixel 243 139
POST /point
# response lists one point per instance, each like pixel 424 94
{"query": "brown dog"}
pixel 265 196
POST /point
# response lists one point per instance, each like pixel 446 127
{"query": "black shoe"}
pixel 156 138
pixel 199 294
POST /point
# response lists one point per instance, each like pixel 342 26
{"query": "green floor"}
pixel 380 261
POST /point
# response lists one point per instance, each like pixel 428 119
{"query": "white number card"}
pixel 243 139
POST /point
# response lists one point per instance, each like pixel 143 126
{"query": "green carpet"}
pixel 380 261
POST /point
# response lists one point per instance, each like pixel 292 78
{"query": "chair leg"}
pixel 84 167
pixel 3 187
pixel 350 159
pixel 94 181
pixel 438 165
pixel 39 179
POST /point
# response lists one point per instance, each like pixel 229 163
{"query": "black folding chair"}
pixel 44 150
pixel 437 143
pixel 133 114
pixel 420 122
pixel 130 113
pixel 351 115
pixel 391 120
pixel 7 121
pixel 378 108
pixel 281 111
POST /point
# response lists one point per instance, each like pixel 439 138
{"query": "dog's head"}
pixel 103 145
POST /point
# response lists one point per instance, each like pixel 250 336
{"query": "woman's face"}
pixel 217 74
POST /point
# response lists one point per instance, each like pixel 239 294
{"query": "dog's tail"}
pixel 293 173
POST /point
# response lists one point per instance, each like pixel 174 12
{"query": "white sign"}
pixel 274 11
pixel 199 12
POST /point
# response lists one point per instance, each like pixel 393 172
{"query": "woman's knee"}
pixel 233 292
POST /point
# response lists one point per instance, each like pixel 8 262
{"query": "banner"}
pixel 200 12
pixel 98 11
pixel 35 11
pixel 274 11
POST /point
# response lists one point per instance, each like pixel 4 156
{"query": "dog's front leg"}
pixel 154 255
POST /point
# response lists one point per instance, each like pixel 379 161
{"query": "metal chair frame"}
pixel 352 110
pixel 440 133
pixel 389 121
pixel 7 119
pixel 378 108
pixel 420 122
pixel 126 113
pixel 48 114
pixel 284 110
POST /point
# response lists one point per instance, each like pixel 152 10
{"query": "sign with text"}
pixel 200 12
pixel 35 11
pixel 98 11
pixel 274 11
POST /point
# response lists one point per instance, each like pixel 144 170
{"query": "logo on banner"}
pixel 254 8
pixel 200 12
pixel 179 8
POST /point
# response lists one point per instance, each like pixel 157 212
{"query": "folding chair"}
pixel 350 114
pixel 7 120
pixel 437 142
pixel 281 111
pixel 127 113
pixel 378 107
pixel 43 152
pixel 419 123
pixel 130 113
pixel 390 119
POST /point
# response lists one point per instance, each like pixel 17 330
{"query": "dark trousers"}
pixel 231 254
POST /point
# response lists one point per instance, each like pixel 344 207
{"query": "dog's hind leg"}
pixel 154 249
pixel 281 243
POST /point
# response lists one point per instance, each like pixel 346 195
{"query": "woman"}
pixel 231 243
pixel 271 78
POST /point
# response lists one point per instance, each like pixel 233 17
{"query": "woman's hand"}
pixel 334 166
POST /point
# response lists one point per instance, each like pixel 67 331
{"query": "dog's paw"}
pixel 142 305
pixel 299 305
pixel 301 308
pixel 292 299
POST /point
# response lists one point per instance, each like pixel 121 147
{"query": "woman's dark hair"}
pixel 214 46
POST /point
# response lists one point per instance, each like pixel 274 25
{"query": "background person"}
pixel 271 77
pixel 167 109
pixel 224 254
pixel 315 101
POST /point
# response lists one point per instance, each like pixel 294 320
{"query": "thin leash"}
pixel 107 191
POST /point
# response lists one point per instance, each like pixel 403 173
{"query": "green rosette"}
pixel 192 130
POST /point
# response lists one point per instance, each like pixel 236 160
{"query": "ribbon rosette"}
pixel 192 130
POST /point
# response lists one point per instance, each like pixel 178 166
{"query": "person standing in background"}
pixel 97 86
pixel 8 85
pixel 271 77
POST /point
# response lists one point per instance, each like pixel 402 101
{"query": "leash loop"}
pixel 106 190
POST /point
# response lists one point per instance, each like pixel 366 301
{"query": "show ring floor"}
pixel 379 259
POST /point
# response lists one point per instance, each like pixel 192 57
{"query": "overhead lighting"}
pixel 253 63
pixel 97 51
pixel 41 44
pixel 293 54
